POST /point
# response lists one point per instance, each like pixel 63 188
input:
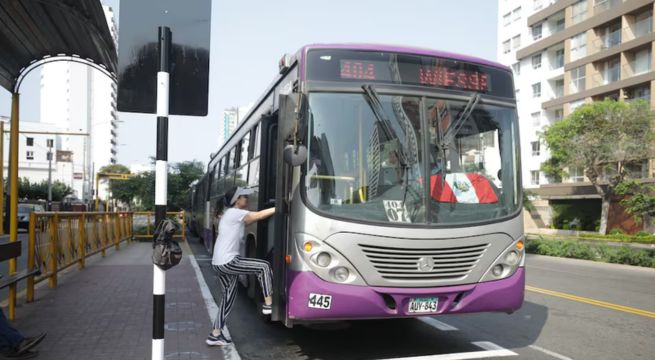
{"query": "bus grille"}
pixel 419 264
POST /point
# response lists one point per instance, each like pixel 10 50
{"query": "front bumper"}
pixel 362 302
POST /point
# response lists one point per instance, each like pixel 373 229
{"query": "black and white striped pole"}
pixel 161 188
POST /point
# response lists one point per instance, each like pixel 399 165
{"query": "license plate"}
pixel 319 301
pixel 423 305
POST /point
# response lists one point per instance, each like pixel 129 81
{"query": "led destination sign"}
pixel 384 67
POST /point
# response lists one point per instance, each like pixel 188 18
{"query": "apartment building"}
pixel 565 53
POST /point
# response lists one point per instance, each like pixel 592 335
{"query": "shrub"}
pixel 598 252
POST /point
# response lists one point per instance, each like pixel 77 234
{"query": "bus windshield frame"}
pixel 417 205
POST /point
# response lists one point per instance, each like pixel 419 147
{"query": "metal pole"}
pixel 161 187
pixel 2 177
pixel 13 192
pixel 97 199
pixel 49 178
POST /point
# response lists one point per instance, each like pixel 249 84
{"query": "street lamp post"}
pixel 50 144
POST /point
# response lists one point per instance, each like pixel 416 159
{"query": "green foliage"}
pixel 527 203
pixel 139 191
pixel 597 252
pixel 639 200
pixel 35 191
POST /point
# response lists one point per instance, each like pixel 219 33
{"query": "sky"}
pixel 250 36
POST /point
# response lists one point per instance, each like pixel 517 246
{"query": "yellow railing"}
pixel 58 240
pixel 144 224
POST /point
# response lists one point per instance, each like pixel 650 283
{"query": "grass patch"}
pixel 596 252
pixel 640 238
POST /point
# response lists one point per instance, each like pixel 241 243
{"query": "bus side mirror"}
pixel 295 155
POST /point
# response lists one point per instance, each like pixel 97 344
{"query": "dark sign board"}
pixel 138 56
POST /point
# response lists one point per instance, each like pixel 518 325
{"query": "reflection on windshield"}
pixel 357 168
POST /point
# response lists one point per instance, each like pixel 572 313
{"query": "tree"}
pixel 35 191
pixel 139 190
pixel 639 199
pixel 603 138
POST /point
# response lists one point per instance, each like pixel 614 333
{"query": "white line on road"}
pixel 551 353
pixel 465 355
pixel 229 352
pixel 438 324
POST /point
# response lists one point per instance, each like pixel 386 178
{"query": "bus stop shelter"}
pixel 36 32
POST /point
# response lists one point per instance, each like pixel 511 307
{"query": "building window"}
pixel 579 11
pixel 577 79
pixel 576 175
pixel 536 61
pixel 516 41
pixel 643 24
pixel 558 89
pixel 578 46
pixel 559 59
pixel 506 47
pixel 642 61
pixel 538 4
pixel 536 119
pixel 517 13
pixel 611 71
pixel 30 141
pixel 507 19
pixel 536 90
pixel 559 114
pixel 576 104
pixel 536 32
pixel 30 155
pixel 536 151
pixel 611 36
pixel 517 68
pixel 534 177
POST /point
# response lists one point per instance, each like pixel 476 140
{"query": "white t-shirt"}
pixel 230 234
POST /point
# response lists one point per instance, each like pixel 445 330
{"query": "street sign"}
pixel 138 55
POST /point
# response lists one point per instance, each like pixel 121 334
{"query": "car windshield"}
pixel 363 167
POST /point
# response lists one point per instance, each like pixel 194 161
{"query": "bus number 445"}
pixel 318 301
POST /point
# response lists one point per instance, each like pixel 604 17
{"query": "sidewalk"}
pixel 105 311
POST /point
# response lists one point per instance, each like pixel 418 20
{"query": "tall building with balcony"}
pixel 565 53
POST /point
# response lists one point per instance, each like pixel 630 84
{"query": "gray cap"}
pixel 240 192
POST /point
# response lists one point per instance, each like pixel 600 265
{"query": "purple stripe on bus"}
pixel 394 48
pixel 361 302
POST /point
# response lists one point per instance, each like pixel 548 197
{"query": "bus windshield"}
pixel 371 164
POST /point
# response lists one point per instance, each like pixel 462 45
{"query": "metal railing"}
pixel 144 224
pixel 58 240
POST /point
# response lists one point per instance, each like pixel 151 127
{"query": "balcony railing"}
pixel 610 40
pixel 606 5
pixel 643 27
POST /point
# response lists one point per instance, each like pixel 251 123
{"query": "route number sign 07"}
pixel 318 301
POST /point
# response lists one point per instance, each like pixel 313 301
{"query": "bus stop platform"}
pixel 105 311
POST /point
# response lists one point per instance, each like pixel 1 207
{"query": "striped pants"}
pixel 228 275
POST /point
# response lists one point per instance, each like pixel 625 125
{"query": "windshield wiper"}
pixel 375 104
pixel 454 128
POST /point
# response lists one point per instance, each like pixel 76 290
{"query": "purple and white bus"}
pixel 395 173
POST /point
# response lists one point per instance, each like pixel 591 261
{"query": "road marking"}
pixel 230 351
pixel 551 353
pixel 589 301
pixel 438 324
pixel 491 350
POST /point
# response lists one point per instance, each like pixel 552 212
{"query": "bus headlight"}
pixel 324 261
pixel 506 264
pixel 341 274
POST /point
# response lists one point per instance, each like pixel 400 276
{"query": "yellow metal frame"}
pixel 150 215
pixel 65 242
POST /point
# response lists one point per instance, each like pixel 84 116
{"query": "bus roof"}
pixel 397 49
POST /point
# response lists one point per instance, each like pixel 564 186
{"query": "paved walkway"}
pixel 105 311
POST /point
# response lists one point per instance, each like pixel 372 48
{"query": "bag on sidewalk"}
pixel 166 252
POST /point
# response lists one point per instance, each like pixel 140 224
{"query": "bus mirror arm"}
pixel 294 155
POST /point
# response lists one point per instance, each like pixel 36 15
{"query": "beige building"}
pixel 566 53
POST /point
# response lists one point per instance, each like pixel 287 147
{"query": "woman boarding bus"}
pixel 228 264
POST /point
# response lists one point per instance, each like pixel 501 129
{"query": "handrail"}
pixel 146 231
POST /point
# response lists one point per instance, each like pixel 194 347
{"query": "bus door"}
pixel 271 244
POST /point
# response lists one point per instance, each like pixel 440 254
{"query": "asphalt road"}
pixel 573 310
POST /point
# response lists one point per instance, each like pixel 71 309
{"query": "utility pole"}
pixel 50 144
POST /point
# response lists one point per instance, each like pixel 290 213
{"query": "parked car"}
pixel 24 211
